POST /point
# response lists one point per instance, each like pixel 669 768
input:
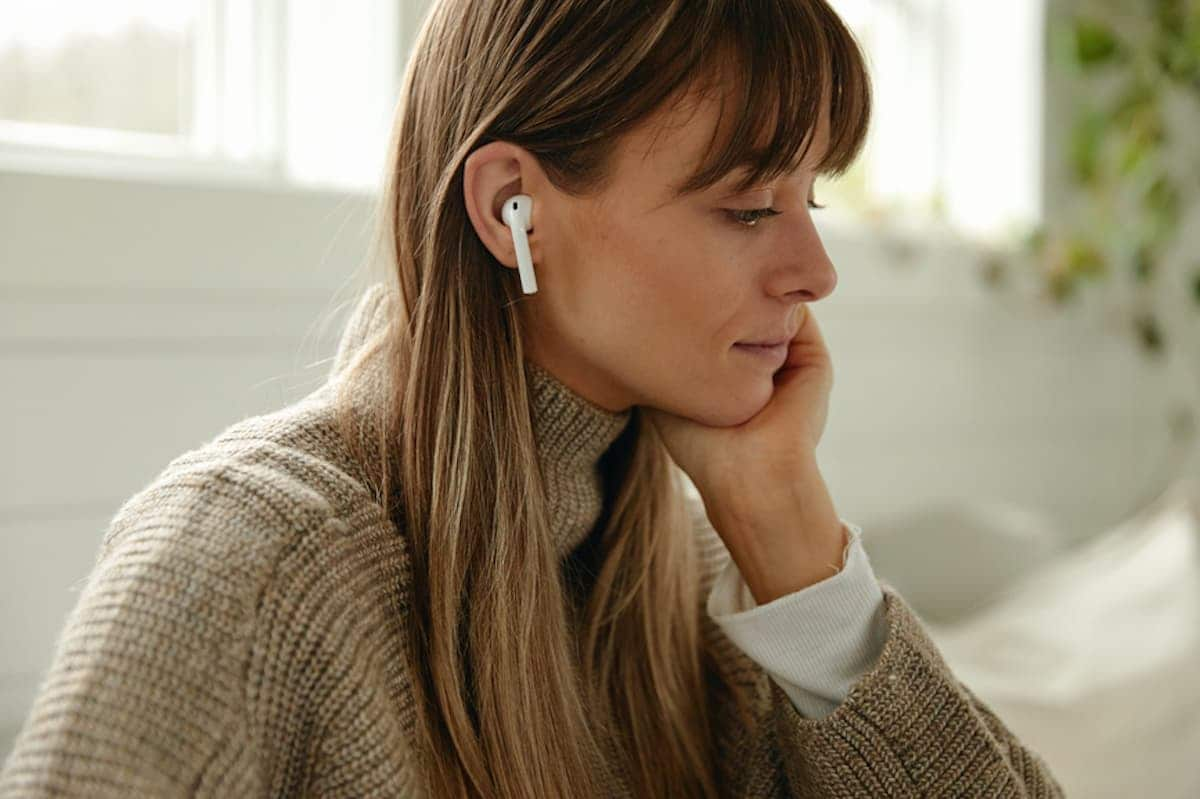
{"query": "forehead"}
pixel 678 138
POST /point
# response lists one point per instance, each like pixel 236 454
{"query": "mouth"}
pixel 785 338
pixel 773 343
pixel 771 352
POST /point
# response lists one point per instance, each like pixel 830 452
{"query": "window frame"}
pixel 238 139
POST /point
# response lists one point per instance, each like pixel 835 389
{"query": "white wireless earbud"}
pixel 518 214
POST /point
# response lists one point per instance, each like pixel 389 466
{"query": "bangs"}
pixel 783 59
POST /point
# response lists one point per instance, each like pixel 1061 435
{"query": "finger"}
pixel 808 344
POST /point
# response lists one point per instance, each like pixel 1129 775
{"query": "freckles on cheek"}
pixel 634 283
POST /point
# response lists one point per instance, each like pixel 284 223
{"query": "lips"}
pixel 773 355
pixel 782 338
pixel 770 342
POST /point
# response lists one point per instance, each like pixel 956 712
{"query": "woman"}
pixel 467 565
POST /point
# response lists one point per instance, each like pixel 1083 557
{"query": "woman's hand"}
pixel 772 443
pixel 759 480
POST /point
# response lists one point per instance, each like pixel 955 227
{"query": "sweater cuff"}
pixel 815 642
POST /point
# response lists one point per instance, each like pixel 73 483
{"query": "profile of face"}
pixel 642 295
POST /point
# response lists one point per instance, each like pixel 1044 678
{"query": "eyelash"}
pixel 761 213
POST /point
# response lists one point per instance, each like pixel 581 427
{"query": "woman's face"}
pixel 642 296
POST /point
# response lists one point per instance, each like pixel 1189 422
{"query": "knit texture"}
pixel 242 633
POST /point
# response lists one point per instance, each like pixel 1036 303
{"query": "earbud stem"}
pixel 524 260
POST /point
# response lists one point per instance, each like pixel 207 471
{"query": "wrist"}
pixel 752 497
pixel 784 536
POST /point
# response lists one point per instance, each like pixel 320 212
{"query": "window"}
pixel 276 91
pixel 302 92
pixel 957 132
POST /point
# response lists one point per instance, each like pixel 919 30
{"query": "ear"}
pixel 491 175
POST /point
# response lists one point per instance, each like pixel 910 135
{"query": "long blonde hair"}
pixel 511 702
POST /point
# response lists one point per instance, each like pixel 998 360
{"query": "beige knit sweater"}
pixel 242 634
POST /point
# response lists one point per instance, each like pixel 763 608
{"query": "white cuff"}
pixel 815 642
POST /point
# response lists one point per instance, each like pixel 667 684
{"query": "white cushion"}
pixel 1093 659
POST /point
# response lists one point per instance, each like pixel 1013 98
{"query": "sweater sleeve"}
pixel 144 692
pixel 907 727
pixel 815 642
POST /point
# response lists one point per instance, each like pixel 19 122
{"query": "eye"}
pixel 750 217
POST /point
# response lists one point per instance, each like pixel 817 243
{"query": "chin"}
pixel 758 398
pixel 737 410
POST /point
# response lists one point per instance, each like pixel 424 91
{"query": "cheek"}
pixel 681 294
pixel 665 295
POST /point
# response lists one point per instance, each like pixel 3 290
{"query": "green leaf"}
pixel 1169 14
pixel 1144 263
pixel 1133 101
pixel 1192 43
pixel 1138 117
pixel 1035 240
pixel 1177 49
pixel 1149 333
pixel 1062 288
pixel 1163 203
pixel 1060 46
pixel 1135 153
pixel 1086 139
pixel 1084 259
pixel 1095 43
pixel 1176 60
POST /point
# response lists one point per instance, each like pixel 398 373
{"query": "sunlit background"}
pixel 186 188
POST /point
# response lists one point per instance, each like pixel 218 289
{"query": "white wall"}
pixel 136 321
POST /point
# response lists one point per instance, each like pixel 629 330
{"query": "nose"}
pixel 818 283
pixel 809 275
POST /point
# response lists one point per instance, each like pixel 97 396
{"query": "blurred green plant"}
pixel 1132 156
pixel 1128 61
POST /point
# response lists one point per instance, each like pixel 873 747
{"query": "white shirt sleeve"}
pixel 815 642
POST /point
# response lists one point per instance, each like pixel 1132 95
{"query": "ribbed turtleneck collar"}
pixel 571 432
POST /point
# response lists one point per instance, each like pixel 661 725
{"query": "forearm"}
pixel 783 533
